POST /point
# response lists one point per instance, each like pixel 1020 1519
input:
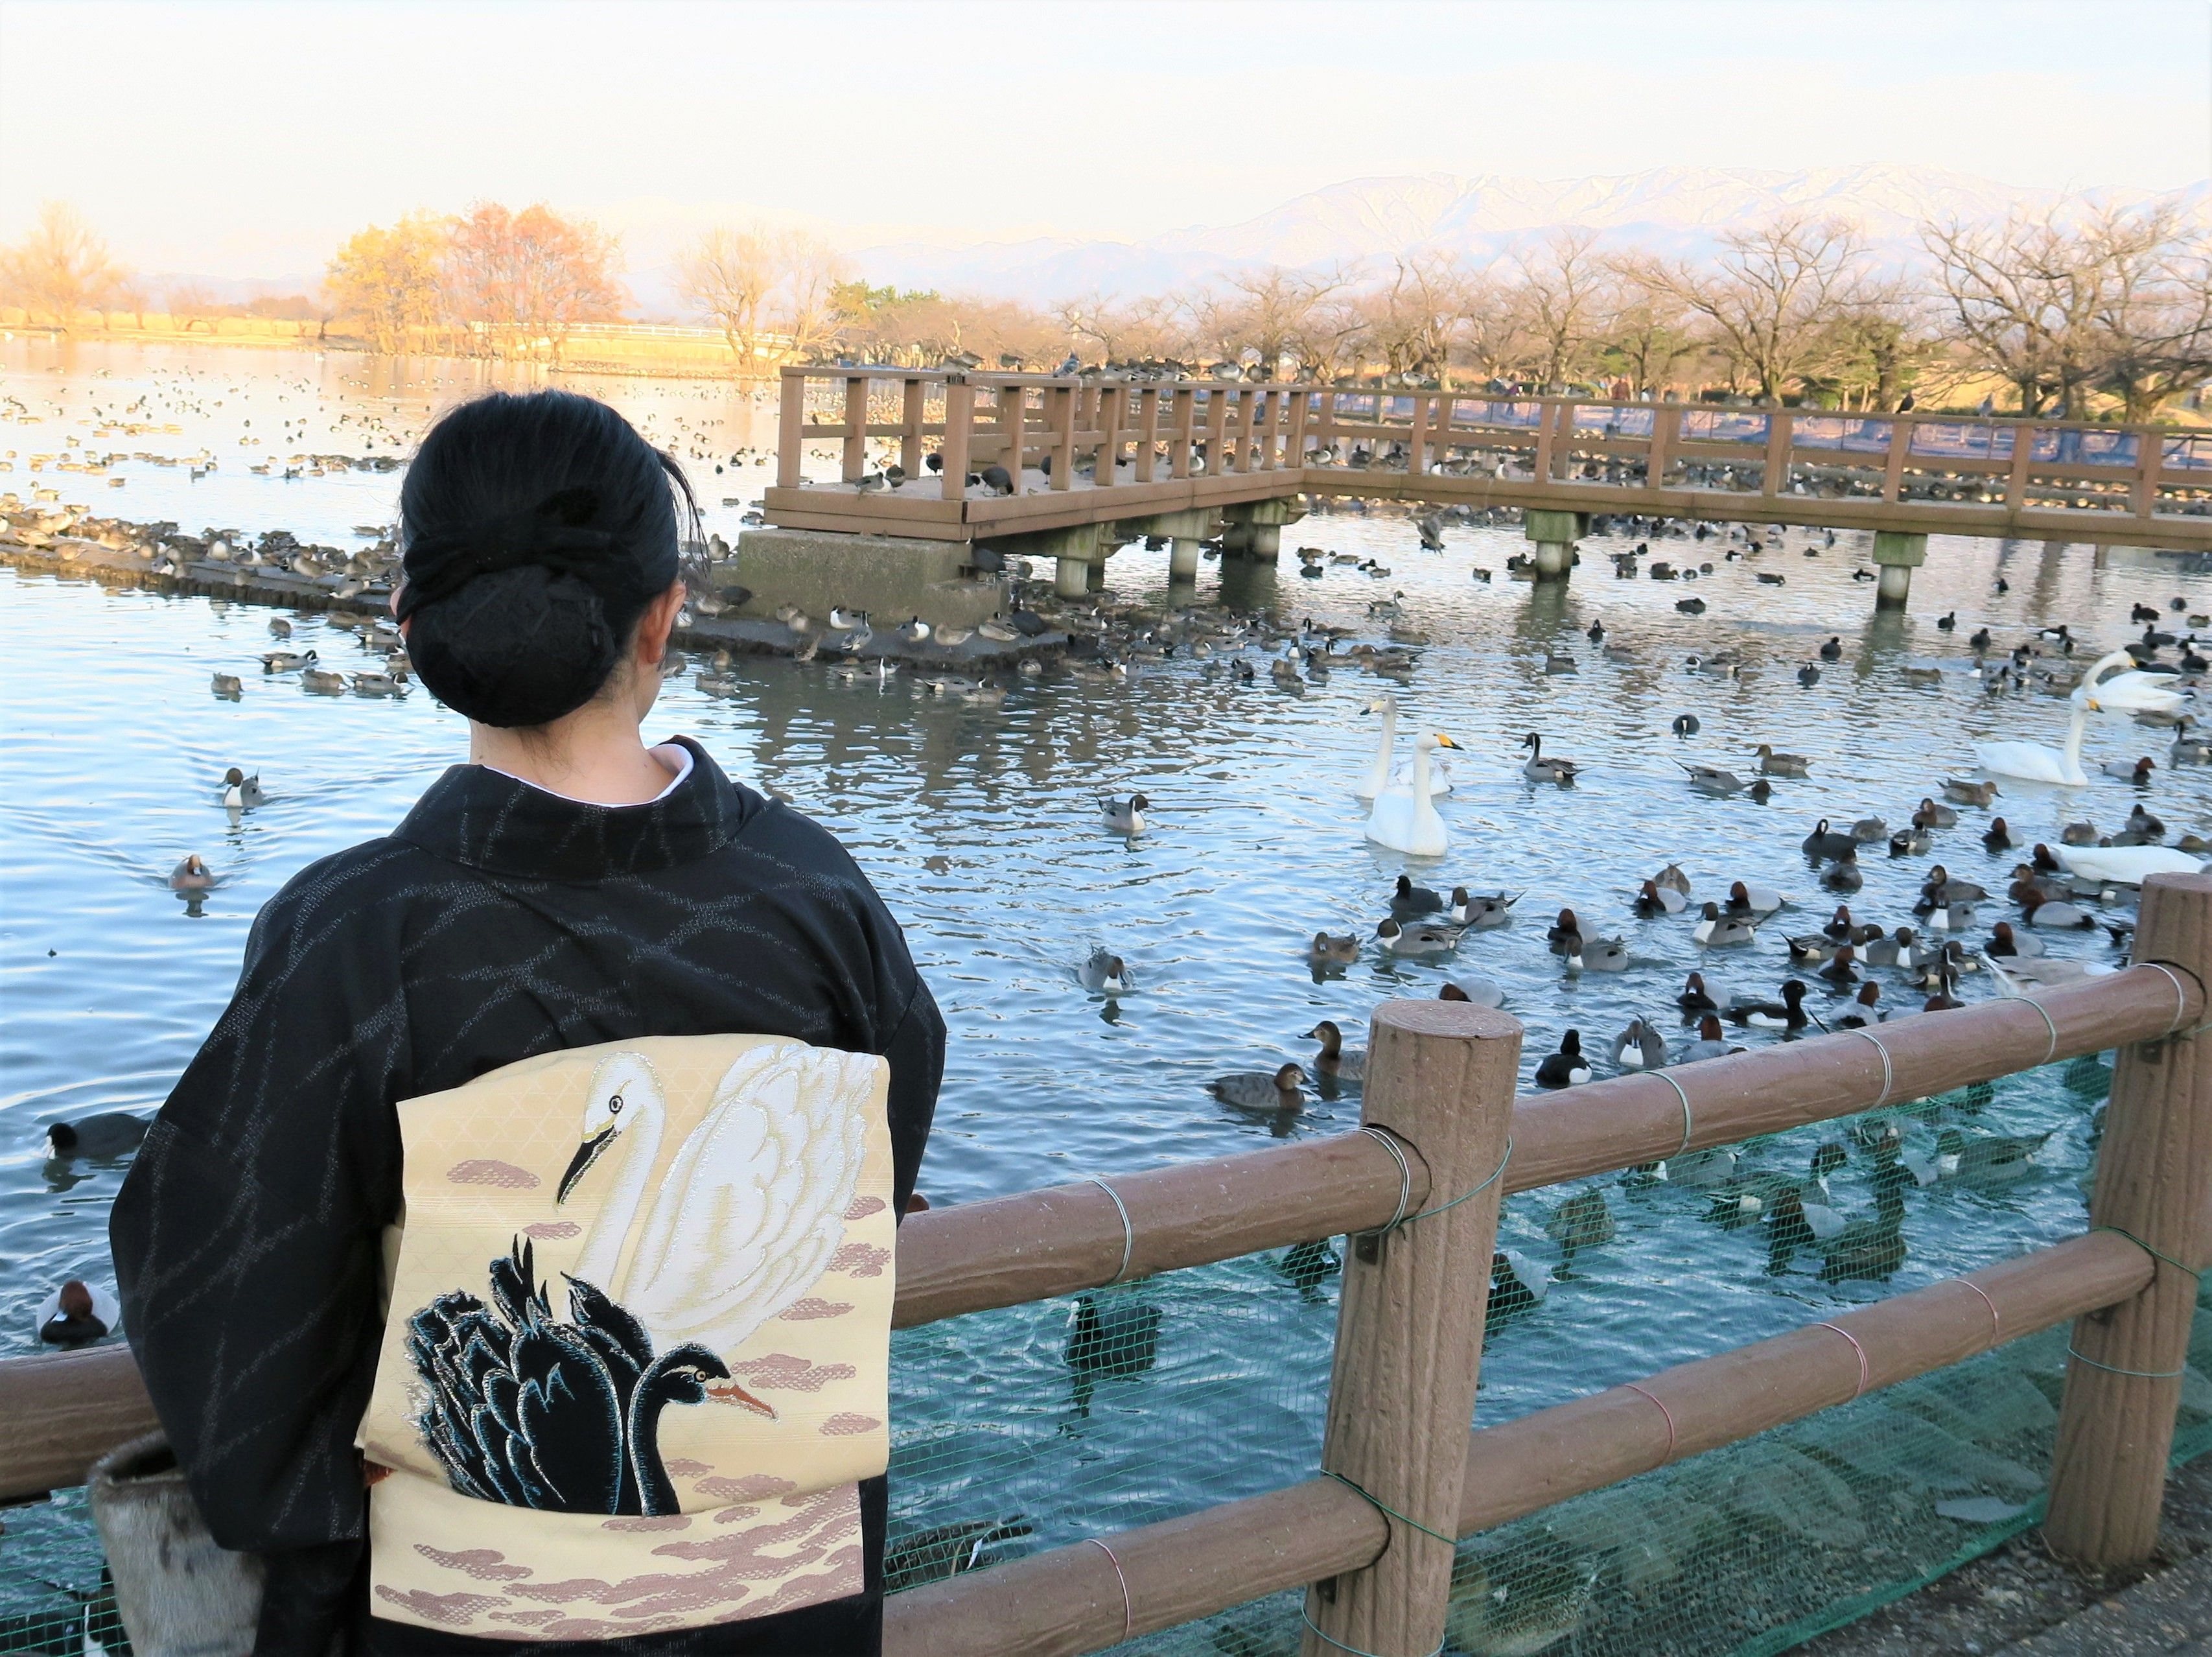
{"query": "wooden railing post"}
pixel 1013 418
pixel 791 425
pixel 1217 430
pixel 1417 445
pixel 1440 1080
pixel 1774 475
pixel 1547 421
pixel 1666 432
pixel 959 428
pixel 1148 431
pixel 1182 432
pixel 913 404
pixel 856 427
pixel 1893 468
pixel 2154 1183
pixel 2023 452
pixel 1063 436
pixel 2150 461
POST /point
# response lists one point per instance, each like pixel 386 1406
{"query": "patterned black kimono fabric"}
pixel 498 923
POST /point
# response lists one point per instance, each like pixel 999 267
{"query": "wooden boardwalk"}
pixel 1104 451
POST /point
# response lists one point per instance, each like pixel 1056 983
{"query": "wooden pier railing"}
pixel 1444 1140
pixel 1102 449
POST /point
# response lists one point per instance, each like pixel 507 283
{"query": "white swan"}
pixel 1378 778
pixel 2035 763
pixel 752 1206
pixel 1405 815
pixel 2126 865
pixel 2132 691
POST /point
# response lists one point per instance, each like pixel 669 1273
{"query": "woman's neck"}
pixel 594 755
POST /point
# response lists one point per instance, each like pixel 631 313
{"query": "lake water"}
pixel 981 827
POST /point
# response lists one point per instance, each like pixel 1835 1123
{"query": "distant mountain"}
pixel 1670 208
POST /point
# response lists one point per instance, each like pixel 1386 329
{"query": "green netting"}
pixel 1038 1426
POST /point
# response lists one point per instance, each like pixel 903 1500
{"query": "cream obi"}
pixel 636 1353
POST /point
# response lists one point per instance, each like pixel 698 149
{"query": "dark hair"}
pixel 535 529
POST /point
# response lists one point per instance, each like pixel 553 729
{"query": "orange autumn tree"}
pixel 388 280
pixel 519 282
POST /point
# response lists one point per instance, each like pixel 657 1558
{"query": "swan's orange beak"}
pixel 730 1393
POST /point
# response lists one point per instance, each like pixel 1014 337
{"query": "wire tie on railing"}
pixel 2155 1254
pixel 1996 1324
pixel 1888 1071
pixel 1128 1231
pixel 2114 1369
pixel 1632 1387
pixel 1865 1374
pixel 2180 998
pixel 1128 1607
pixel 2051 1051
pixel 1685 1097
pixel 1383 1507
pixel 1352 1651
pixel 1389 1141
pixel 1426 1212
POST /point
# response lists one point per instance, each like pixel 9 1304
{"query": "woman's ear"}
pixel 658 621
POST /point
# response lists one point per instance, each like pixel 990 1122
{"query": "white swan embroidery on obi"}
pixel 752 1210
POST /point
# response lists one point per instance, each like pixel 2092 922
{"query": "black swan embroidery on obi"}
pixel 525 1409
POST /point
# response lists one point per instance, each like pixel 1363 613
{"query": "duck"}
pixel 1930 816
pixel 1475 991
pixel 1639 1047
pixel 322 683
pixel 1480 914
pixel 1333 949
pixel 1842 969
pixel 1999 836
pixel 1418 941
pixel 1788 1013
pixel 1598 955
pixel 1825 842
pixel 105 1135
pixel 1695 997
pixel 1378 778
pixel 1755 903
pixel 77 1314
pixel 1565 935
pixel 1865 1008
pixel 1844 875
pixel 1280 1089
pixel 1517 1283
pixel 1833 649
pixel 1567 1068
pixel 286 662
pixel 2141 826
pixel 2081 833
pixel 1685 725
pixel 1719 931
pixel 2003 942
pixel 1869 831
pixel 228 687
pixel 1708 1043
pixel 2187 750
pixel 1653 900
pixel 192 875
pixel 1673 878
pixel 1895 950
pixel 1538 768
pixel 1812 948
pixel 1842 929
pixel 1121 1337
pixel 1583 1220
pixel 1808 675
pixel 1969 793
pixel 1404 818
pixel 1711 779
pixel 2136 772
pixel 1987 1159
pixel 1105 973
pixel 1124 816
pixel 1409 901
pixel 1772 763
pixel 2052 916
pixel 239 791
pixel 1335 1060
pixel 1915 842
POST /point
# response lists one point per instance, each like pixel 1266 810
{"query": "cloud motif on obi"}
pixel 489 1171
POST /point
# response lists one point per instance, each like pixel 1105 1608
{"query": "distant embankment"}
pixel 660 350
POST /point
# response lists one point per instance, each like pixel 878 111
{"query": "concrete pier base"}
pixel 1553 535
pixel 889 576
pixel 1182 558
pixel 1070 578
pixel 1897 554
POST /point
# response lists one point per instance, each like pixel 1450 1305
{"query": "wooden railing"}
pixel 1103 447
pixel 1443 1140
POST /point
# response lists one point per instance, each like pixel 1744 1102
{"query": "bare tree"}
pixel 1879 342
pixel 1414 316
pixel 1148 324
pixel 1561 293
pixel 806 295
pixel 1276 315
pixel 1646 333
pixel 2154 324
pixel 525 278
pixel 1766 301
pixel 729 276
pixel 62 268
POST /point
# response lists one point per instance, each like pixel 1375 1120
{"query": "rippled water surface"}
pixel 980 826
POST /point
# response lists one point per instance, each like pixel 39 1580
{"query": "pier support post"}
pixel 1070 578
pixel 1182 559
pixel 1255 528
pixel 1184 531
pixel 1553 535
pixel 1897 554
pixel 2154 1183
pixel 1440 1080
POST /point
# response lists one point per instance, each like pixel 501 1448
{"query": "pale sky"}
pixel 239 139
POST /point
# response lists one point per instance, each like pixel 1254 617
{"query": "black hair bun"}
pixel 514 647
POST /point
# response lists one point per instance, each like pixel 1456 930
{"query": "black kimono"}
pixel 499 923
